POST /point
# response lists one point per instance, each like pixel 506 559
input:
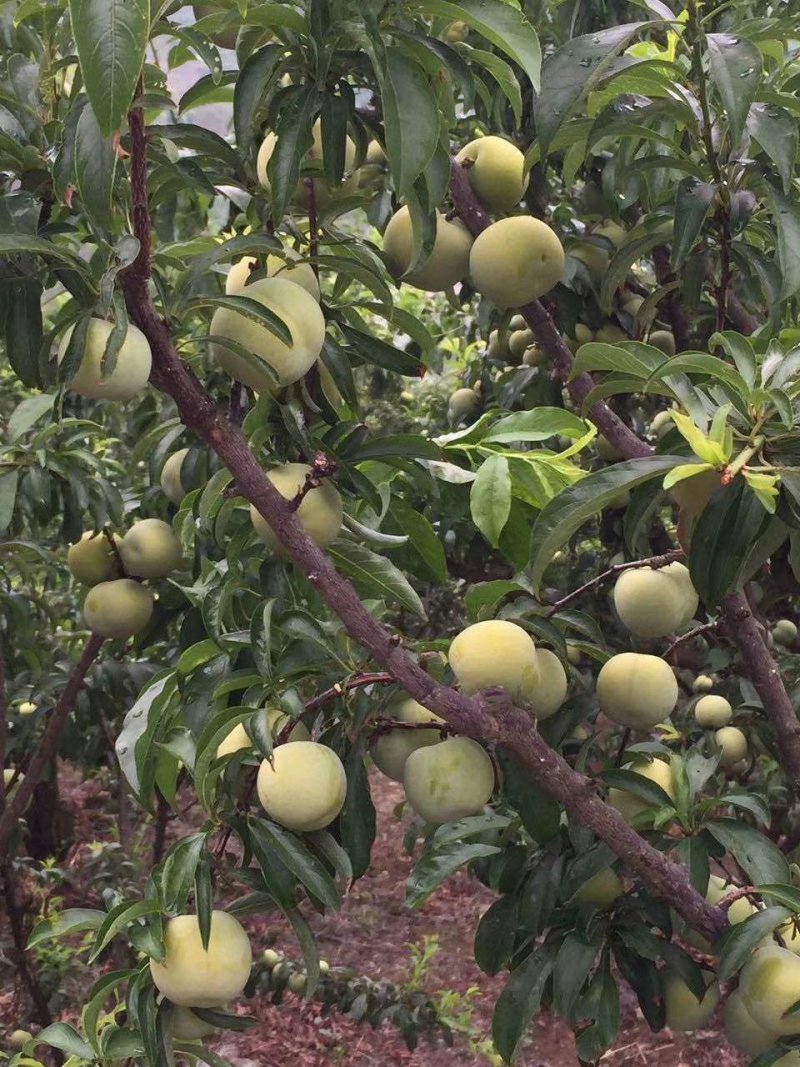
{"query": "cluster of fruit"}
pixel 117 604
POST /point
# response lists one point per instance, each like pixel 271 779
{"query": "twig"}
pixel 360 681
pixel 46 749
pixel 3 726
pixel 160 835
pixel 239 403
pixel 738 315
pixel 313 226
pixel 491 720
pixel 698 631
pixel 322 467
pixel 112 544
pixel 385 726
pixel 546 332
pixel 654 562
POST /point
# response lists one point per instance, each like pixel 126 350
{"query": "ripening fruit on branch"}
pixel 629 805
pixel 663 340
pixel 733 745
pixel 784 632
pixel 297 984
pixel 304 787
pixel 150 549
pixel 301 314
pixel 320 511
pixel 186 1026
pixel 594 257
pixel 717 889
pixel 495 652
pixel 391 749
pixel 683 1010
pixel 171 484
pixel 703 683
pixel 449 781
pixel 91 560
pixel 661 424
pixel 496 172
pixel 131 371
pixel 270 957
pixel 26 708
pixel 120 608
pixel 18 1038
pixel 742 1030
pixel 275 720
pixel 516 260
pixel 601 890
pixel 769 985
pixel 636 690
pixel 551 689
pixel 455 32
pixel 462 404
pixel 311 167
pixel 519 341
pixel 289 266
pixel 653 602
pixel 448 262
pixel 711 712
pixel 194 977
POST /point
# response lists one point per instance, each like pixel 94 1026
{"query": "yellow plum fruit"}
pixel 629 805
pixel 320 511
pixel 91 560
pixel 636 690
pixel 393 747
pixel 683 1010
pixel 448 262
pixel 119 608
pixel 496 171
pixel 655 602
pixel 289 266
pixel 515 261
pixel 448 781
pixel 551 689
pixel 304 787
pixel 130 373
pixel 769 985
pixel 150 549
pixel 194 977
pixel 495 653
pixel 171 483
pixel 711 712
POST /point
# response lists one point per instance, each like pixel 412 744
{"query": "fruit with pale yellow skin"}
pixel 791 1059
pixel 10 775
pixel 613 232
pixel 711 712
pixel 516 260
pixel 289 265
pixel 18 1038
pixel 632 304
pixel 594 257
pixel 312 168
pixel 297 984
pixel 270 957
pixel 462 404
pixel 392 748
pixel 495 652
pixel 636 690
pixel 769 985
pixel 92 560
pixel 186 1026
pixel 519 341
pixel 742 1030
pixel 601 890
pixel 629 805
pixel 703 683
pixel 193 977
pixel 496 348
pixel 298 310
pixel 653 602
pixel 150 549
pixel 375 154
pixel 683 1010
pixel 171 484
pixel 496 171
pixel 131 370
pixel 662 423
pixel 533 356
pixel 275 720
pixel 551 689
pixel 448 781
pixel 784 632
pixel 663 340
pixel 732 744
pixel 611 334
pixel 320 511
pixel 26 708
pixel 455 32
pixel 448 262
pixel 304 787
pixel 120 608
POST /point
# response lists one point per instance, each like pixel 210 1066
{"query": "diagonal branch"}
pixel 19 800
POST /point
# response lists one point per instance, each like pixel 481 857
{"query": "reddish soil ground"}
pixel 371 936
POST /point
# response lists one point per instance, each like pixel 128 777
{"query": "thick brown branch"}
pixel 21 797
pixel 491 722
pixel 762 670
pixel 546 332
pixel 738 315
pixel 41 1007
pixel 3 725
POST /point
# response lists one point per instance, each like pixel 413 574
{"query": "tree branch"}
pixel 46 750
pixel 673 310
pixel 41 1007
pixel 655 562
pixel 546 333
pixel 491 722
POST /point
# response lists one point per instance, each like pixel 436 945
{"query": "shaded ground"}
pixel 371 936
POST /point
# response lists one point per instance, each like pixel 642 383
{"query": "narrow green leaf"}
pixel 735 66
pixel 490 498
pixel 111 38
pixel 759 858
pixel 693 200
pixel 520 999
pixel 95 167
pixel 411 118
pixel 70 921
pixel 374 575
pixel 738 943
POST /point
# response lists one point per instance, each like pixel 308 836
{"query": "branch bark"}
pixel 673 311
pixel 491 721
pixel 21 797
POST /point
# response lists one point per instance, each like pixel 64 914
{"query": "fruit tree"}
pixel 401 393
